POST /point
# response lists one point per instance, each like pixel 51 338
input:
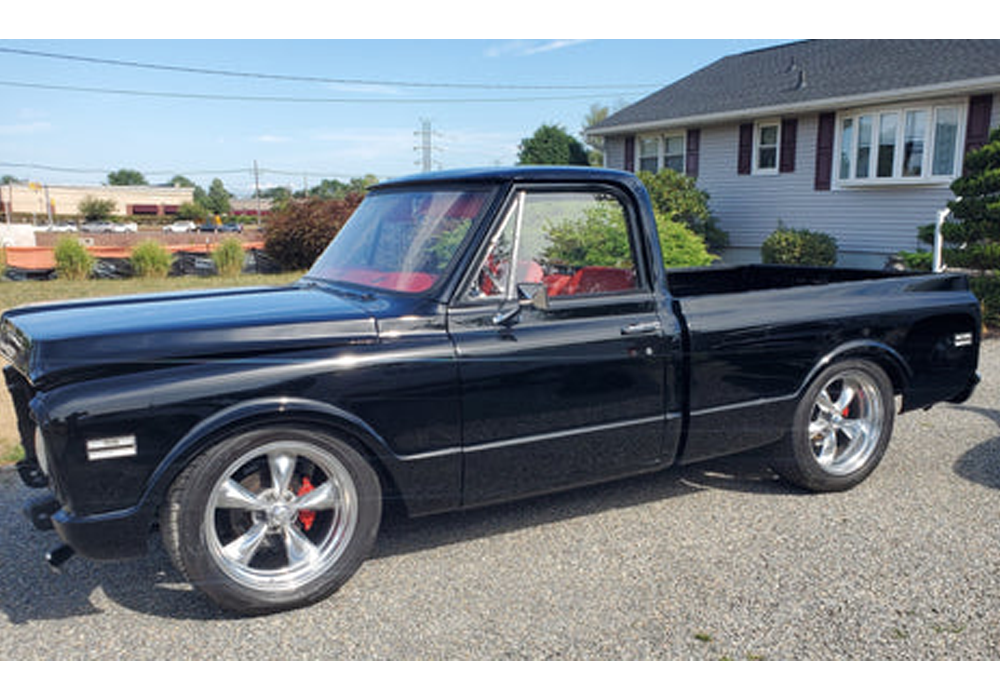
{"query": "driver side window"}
pixel 575 243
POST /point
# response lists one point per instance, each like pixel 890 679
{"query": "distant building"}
pixel 250 207
pixel 63 201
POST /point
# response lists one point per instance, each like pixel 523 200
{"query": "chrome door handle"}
pixel 646 328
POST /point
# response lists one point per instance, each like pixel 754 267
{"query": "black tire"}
pixel 840 430
pixel 272 519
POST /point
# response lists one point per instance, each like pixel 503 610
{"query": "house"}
pixel 856 138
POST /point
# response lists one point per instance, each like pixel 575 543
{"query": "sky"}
pixel 304 110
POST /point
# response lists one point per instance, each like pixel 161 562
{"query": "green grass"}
pixel 30 292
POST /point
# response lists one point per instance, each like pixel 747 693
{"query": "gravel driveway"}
pixel 716 561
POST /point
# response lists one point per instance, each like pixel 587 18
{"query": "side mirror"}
pixel 528 294
pixel 535 293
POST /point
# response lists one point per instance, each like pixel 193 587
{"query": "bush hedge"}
pixel 150 259
pixel 73 260
pixel 787 246
pixel 228 257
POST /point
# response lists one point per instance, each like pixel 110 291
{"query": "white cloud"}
pixel 23 129
pixel 271 138
pixel 526 47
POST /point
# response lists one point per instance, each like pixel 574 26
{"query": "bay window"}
pixel 905 144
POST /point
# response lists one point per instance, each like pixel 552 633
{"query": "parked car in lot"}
pixel 61 227
pixel 209 227
pixel 180 227
pixel 456 345
pixel 109 227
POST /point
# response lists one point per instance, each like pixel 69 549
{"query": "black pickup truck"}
pixel 467 338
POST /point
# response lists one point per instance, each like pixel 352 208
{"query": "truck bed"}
pixel 701 281
pixel 755 333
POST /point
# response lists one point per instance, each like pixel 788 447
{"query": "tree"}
pixel 972 237
pixel 94 209
pixel 551 145
pixel 217 199
pixel 126 177
pixel 181 181
pixel 978 210
pixel 299 231
pixel 8 180
pixel 973 234
pixel 595 144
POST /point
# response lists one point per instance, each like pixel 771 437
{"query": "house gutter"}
pixel 971 86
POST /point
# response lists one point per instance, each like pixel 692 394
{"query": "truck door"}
pixel 574 386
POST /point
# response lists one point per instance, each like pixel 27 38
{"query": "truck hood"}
pixel 93 336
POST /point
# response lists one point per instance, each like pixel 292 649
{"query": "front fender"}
pixel 425 483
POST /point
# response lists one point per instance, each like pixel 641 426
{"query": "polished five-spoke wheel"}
pixel 280 514
pixel 272 519
pixel 846 422
pixel 840 429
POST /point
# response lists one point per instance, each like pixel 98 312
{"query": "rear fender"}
pixel 888 358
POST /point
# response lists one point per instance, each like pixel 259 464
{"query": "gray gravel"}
pixel 718 561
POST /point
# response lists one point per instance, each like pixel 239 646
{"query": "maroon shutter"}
pixel 789 133
pixel 824 150
pixel 630 154
pixel 745 156
pixel 692 148
pixel 977 131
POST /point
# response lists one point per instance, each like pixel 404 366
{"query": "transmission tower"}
pixel 426 147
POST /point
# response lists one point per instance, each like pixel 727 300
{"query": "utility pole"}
pixel 426 146
pixel 256 189
pixel 10 204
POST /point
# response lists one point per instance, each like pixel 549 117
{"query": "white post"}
pixel 938 264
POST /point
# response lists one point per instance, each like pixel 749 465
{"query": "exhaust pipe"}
pixel 59 556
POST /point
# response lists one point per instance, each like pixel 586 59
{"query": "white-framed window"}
pixel 662 151
pixel 766 145
pixel 903 144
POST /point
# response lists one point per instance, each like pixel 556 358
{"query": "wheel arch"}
pixel 890 360
pixel 268 412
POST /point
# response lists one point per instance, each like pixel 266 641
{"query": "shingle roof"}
pixel 814 72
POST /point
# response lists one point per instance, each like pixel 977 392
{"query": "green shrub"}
pixel 676 196
pixel 73 261
pixel 681 246
pixel 228 257
pixel 921 261
pixel 601 239
pixel 987 290
pixel 799 247
pixel 152 260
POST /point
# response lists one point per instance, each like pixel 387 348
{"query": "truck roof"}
pixel 522 173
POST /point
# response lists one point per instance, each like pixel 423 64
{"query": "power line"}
pixel 88 171
pixel 316 79
pixel 248 170
pixel 312 100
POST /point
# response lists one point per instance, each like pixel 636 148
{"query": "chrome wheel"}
pixel 846 422
pixel 281 515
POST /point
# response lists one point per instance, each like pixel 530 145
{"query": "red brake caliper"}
pixel 306 517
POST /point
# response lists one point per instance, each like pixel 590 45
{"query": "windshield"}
pixel 401 240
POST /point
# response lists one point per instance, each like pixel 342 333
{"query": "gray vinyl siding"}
pixel 869 222
pixel 880 219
